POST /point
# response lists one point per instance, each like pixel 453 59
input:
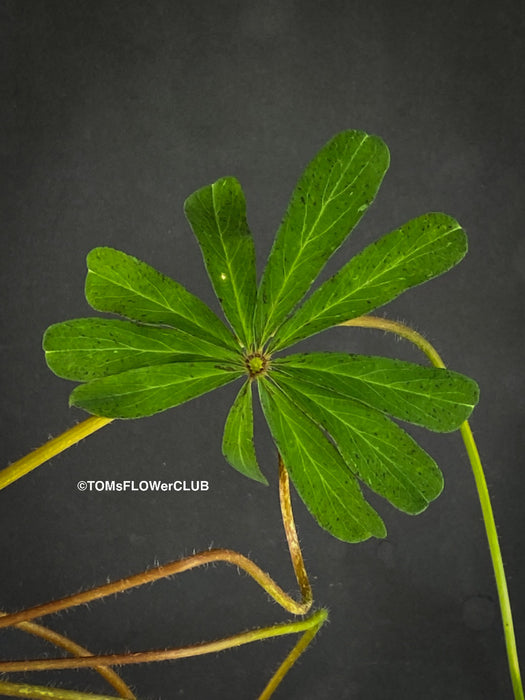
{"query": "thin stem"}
pixel 51 448
pixel 124 584
pixel 76 650
pixel 37 692
pixel 21 619
pixel 292 657
pixel 483 494
pixel 167 654
pixel 497 561
pixel 291 536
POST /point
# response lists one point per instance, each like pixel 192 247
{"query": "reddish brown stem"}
pixel 177 567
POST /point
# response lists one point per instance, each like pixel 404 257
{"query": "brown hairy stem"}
pixel 59 640
pixel 124 584
pixel 309 626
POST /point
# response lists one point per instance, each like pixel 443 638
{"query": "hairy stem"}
pixel 75 650
pixel 309 627
pixel 292 657
pixel 21 619
pixel 124 584
pixel 53 447
pixel 481 484
pixel 291 536
pixel 200 649
pixel 38 692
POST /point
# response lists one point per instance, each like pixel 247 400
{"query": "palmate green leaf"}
pixel 89 348
pixel 327 412
pixel 237 444
pixel 377 451
pixel 332 195
pixel 217 215
pixel 148 390
pixel 437 399
pixel 121 284
pixel 418 251
pixel 321 477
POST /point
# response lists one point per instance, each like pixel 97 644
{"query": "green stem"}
pixel 483 493
pixel 235 640
pixel 22 618
pixel 51 448
pixel 497 561
pixel 292 657
pixel 39 692
pixel 74 649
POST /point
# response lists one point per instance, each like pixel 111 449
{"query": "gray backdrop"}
pixel 113 114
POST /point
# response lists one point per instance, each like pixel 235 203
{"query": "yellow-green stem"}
pixel 51 448
pixel 168 654
pixel 22 618
pixel 292 657
pixel 82 430
pixel 71 647
pixel 40 692
pixel 423 344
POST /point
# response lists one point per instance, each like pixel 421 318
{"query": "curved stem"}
pixel 292 657
pixel 486 508
pixel 400 329
pixel 291 536
pixel 124 584
pixel 21 619
pixel 75 650
pixel 51 448
pixel 234 640
pixel 37 692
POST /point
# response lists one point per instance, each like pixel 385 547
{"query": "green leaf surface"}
pixel 148 390
pixel 437 399
pixel 237 443
pixel 121 284
pixel 321 477
pixel 89 348
pixel 377 450
pixel 217 215
pixel 418 251
pixel 331 196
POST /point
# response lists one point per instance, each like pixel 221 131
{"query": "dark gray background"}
pixel 113 114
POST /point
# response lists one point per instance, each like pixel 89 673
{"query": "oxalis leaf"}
pixel 418 251
pixel 332 195
pixel 319 473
